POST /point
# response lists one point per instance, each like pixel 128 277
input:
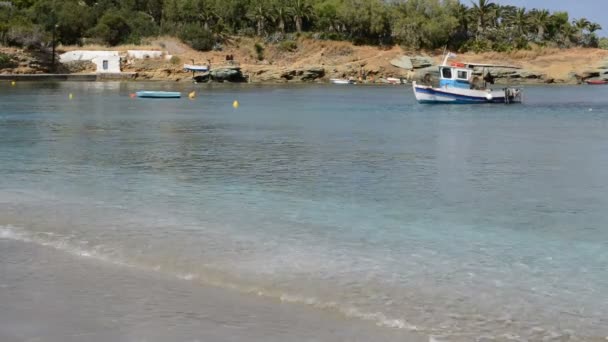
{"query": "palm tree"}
pixel 580 25
pixel 300 10
pixel 258 13
pixel 280 12
pixel 520 20
pixel 568 33
pixel 592 27
pixel 540 19
pixel 482 11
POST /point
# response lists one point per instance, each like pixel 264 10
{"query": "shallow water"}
pixel 459 221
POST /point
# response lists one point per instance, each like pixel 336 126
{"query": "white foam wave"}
pixel 65 244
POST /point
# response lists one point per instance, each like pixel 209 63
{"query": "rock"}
pixel 230 74
pixel 419 62
pixel 403 62
pixel 288 74
pixel 202 78
pixel 312 74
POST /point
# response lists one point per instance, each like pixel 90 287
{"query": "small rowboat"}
pixel 596 82
pixel 159 94
pixel 341 81
pixel 197 68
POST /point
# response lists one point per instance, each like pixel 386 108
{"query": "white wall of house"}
pixel 107 64
pixel 84 55
pixel 144 54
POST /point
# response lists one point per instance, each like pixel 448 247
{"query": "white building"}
pixel 144 54
pixel 106 61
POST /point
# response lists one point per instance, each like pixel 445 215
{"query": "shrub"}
pixel 288 46
pixel 259 51
pixel 6 61
pixel 197 37
pixel 112 28
pixel 29 37
pixel 175 60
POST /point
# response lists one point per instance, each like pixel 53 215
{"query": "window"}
pixel 463 75
pixel 105 65
pixel 446 73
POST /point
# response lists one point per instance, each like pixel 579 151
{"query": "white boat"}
pixel 458 84
pixel 394 80
pixel 196 68
pixel 341 81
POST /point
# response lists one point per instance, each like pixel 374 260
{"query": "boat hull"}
pixel 597 82
pixel 341 81
pixel 427 94
pixel 159 94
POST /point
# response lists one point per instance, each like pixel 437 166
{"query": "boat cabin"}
pixel 455 75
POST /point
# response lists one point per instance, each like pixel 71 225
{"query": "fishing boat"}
pixel 159 94
pixel 596 82
pixel 341 81
pixel 458 83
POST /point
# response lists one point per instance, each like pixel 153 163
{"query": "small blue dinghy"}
pixel 159 94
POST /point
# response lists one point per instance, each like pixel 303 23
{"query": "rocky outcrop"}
pixel 415 62
pixel 288 75
pixel 227 74
pixel 312 74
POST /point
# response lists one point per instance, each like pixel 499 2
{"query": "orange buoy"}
pixel 458 64
pixel 132 95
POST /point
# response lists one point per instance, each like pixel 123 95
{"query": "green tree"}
pixel 482 11
pixel 300 10
pixel 112 28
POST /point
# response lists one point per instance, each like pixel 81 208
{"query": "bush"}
pixel 197 37
pixel 288 46
pixel 6 61
pixel 175 60
pixel 112 28
pixel 603 44
pixel 29 37
pixel 259 51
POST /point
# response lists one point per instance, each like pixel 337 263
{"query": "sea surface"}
pixel 352 210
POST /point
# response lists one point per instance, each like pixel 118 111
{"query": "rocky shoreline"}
pixel 320 61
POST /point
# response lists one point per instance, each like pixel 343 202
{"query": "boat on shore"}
pixel 341 81
pixel 460 84
pixel 596 82
pixel 196 68
pixel 158 94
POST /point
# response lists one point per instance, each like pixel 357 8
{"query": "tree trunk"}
pixel 298 20
pixel 282 25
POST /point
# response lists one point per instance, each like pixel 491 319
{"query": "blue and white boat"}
pixel 159 94
pixel 459 85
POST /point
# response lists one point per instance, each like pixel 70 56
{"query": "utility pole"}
pixel 53 49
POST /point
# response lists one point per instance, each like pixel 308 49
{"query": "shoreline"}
pixel 312 61
pixel 82 297
pixel 132 77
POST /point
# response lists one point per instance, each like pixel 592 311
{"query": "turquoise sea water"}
pixel 459 221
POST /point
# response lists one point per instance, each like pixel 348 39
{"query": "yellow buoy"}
pixel 235 104
pixel 192 95
pixel 13 83
pixel 71 96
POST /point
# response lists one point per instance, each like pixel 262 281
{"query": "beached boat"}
pixel 341 81
pixel 196 68
pixel 596 82
pixel 159 94
pixel 458 84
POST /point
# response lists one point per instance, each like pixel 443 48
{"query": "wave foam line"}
pixel 64 245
